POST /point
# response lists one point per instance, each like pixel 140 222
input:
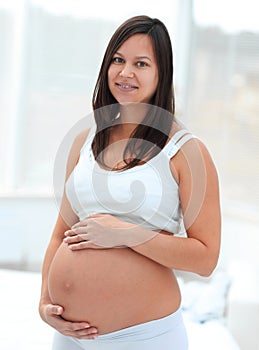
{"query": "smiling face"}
pixel 133 72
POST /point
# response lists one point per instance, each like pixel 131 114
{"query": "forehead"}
pixel 137 44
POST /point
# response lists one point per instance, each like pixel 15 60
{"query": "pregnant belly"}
pixel 111 288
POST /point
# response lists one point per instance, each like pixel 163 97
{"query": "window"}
pixel 222 109
pixel 223 103
pixel 52 53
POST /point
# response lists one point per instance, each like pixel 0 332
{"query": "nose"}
pixel 127 71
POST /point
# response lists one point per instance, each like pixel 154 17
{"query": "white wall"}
pixel 25 226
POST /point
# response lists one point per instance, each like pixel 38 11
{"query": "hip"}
pixel 167 333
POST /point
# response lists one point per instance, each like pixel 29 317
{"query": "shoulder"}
pixel 81 138
pixel 193 146
pixel 193 157
pixel 75 149
pixel 78 143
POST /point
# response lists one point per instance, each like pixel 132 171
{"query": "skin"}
pixel 133 73
pixel 52 314
pixel 199 253
pixel 132 81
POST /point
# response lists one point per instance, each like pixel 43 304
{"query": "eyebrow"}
pixel 138 57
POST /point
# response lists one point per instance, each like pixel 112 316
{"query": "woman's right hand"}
pixel 52 314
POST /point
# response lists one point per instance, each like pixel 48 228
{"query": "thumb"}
pixel 57 309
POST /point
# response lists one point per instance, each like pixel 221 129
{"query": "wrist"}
pixel 135 235
pixel 44 300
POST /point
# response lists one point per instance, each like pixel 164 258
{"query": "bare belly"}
pixel 111 288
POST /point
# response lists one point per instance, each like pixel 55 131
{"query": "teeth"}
pixel 125 86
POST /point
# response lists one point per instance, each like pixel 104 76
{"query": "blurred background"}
pixel 50 54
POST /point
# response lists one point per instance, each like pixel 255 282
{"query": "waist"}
pixel 145 330
pixel 140 332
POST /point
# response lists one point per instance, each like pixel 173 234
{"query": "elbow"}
pixel 208 266
pixel 206 272
pixel 209 260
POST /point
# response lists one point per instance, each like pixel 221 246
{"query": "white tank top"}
pixel 146 194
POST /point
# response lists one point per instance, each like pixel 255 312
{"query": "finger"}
pixel 75 231
pixel 76 225
pixel 83 245
pixel 78 326
pixel 75 239
pixel 80 230
pixel 79 224
pixel 78 330
pixel 81 335
pixel 54 309
pixel 87 332
pixel 69 233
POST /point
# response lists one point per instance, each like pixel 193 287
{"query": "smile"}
pixel 127 87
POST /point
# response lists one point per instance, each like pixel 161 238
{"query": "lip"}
pixel 126 87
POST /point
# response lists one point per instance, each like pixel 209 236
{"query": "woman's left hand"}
pixel 98 231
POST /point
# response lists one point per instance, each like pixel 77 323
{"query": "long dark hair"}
pixel 159 117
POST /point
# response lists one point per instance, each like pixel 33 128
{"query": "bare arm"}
pixel 195 172
pixel 65 220
pixel 51 313
pixel 61 226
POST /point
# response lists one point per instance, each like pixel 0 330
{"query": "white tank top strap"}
pixel 177 141
pixel 89 139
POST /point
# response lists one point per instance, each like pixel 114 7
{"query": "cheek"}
pixel 110 76
pixel 154 82
pixel 112 72
pixel 156 77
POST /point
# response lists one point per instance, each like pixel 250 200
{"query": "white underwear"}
pixel 166 333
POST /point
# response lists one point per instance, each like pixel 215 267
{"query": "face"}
pixel 133 73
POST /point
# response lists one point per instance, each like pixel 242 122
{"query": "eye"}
pixel 117 60
pixel 141 64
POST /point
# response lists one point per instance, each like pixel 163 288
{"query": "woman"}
pixel 108 280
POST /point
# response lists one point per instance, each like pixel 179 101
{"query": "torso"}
pixel 111 288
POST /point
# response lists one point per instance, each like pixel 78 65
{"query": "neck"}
pixel 125 129
pixel 133 113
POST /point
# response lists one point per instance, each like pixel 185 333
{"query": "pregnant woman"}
pixel 133 182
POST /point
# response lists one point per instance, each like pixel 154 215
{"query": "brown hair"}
pixel 158 121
